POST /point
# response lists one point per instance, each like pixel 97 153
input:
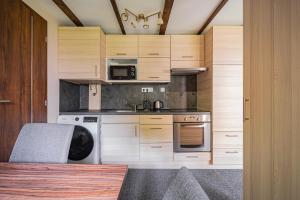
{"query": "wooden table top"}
pixel 60 181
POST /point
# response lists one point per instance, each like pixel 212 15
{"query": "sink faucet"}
pixel 132 106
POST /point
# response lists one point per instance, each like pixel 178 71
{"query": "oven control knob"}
pixel 198 119
pixel 185 119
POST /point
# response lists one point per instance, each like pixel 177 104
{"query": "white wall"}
pixel 53 82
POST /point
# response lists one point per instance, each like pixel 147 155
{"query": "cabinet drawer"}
pixel 118 119
pixel 154 46
pixel 122 46
pixel 192 157
pixel 154 69
pixel 156 152
pixel 233 156
pixel 228 139
pixel 156 119
pixel 156 133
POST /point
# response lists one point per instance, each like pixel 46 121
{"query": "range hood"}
pixel 188 71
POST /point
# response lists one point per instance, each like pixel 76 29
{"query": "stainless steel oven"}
pixel 192 133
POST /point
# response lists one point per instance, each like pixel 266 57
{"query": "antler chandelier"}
pixel 141 17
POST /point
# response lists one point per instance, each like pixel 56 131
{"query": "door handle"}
pixel 156 147
pixel 245 113
pixel 5 101
pixel 231 152
pixel 153 54
pixel 187 56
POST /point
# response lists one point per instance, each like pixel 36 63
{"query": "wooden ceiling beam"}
pixel 166 15
pixel 68 12
pixel 118 16
pixel 212 16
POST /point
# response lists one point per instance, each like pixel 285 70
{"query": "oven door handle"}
pixel 194 126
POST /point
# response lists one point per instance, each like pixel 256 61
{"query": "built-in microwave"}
pixel 122 72
pixel 122 69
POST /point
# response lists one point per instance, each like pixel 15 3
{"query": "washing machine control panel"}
pixel 90 119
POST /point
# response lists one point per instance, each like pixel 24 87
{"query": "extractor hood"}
pixel 188 71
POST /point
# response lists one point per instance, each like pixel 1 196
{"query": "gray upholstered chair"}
pixel 43 143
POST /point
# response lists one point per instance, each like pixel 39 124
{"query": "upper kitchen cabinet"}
pixel 154 70
pixel 154 46
pixel 122 46
pixel 187 51
pixel 224 45
pixel 81 52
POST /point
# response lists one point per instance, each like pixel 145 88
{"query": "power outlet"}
pixel 146 90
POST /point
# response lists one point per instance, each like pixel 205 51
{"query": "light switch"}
pixel 162 89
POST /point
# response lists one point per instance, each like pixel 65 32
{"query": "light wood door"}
pixel 187 47
pixel 271 145
pixel 79 52
pixel 154 69
pixel 157 46
pixel 122 46
pixel 227 98
pixel 228 45
pixel 119 142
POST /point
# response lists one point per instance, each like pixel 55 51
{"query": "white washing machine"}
pixel 85 145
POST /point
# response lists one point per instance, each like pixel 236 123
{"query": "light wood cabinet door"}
pixel 227 98
pixel 156 134
pixel 122 46
pixel 79 53
pixel 228 45
pixel 119 142
pixel 233 156
pixel 154 69
pixel 233 139
pixel 187 47
pixel 156 152
pixel 157 46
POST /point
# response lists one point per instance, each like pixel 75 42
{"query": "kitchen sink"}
pixel 120 111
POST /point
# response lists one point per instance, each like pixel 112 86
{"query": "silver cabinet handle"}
pixel 156 147
pixel 231 135
pixel 121 54
pixel 192 156
pixel 96 70
pixel 155 118
pixel 156 128
pixel 135 130
pixel 5 101
pixel 187 56
pixel 153 77
pixel 231 152
pixel 153 54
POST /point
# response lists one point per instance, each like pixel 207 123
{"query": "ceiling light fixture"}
pixel 141 17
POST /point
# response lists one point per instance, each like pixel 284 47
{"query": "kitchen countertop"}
pixel 139 112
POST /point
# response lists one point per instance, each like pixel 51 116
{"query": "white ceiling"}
pixel 187 16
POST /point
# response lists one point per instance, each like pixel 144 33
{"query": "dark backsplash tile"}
pixel 73 97
pixel 180 93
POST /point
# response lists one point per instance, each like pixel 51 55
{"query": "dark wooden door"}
pixel 39 68
pixel 16 74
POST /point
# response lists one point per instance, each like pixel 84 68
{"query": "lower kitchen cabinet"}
pixel 193 157
pixel 120 141
pixel 156 152
pixel 227 156
pixel 156 134
pixel 233 139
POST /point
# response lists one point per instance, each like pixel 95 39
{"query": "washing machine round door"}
pixel 82 144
